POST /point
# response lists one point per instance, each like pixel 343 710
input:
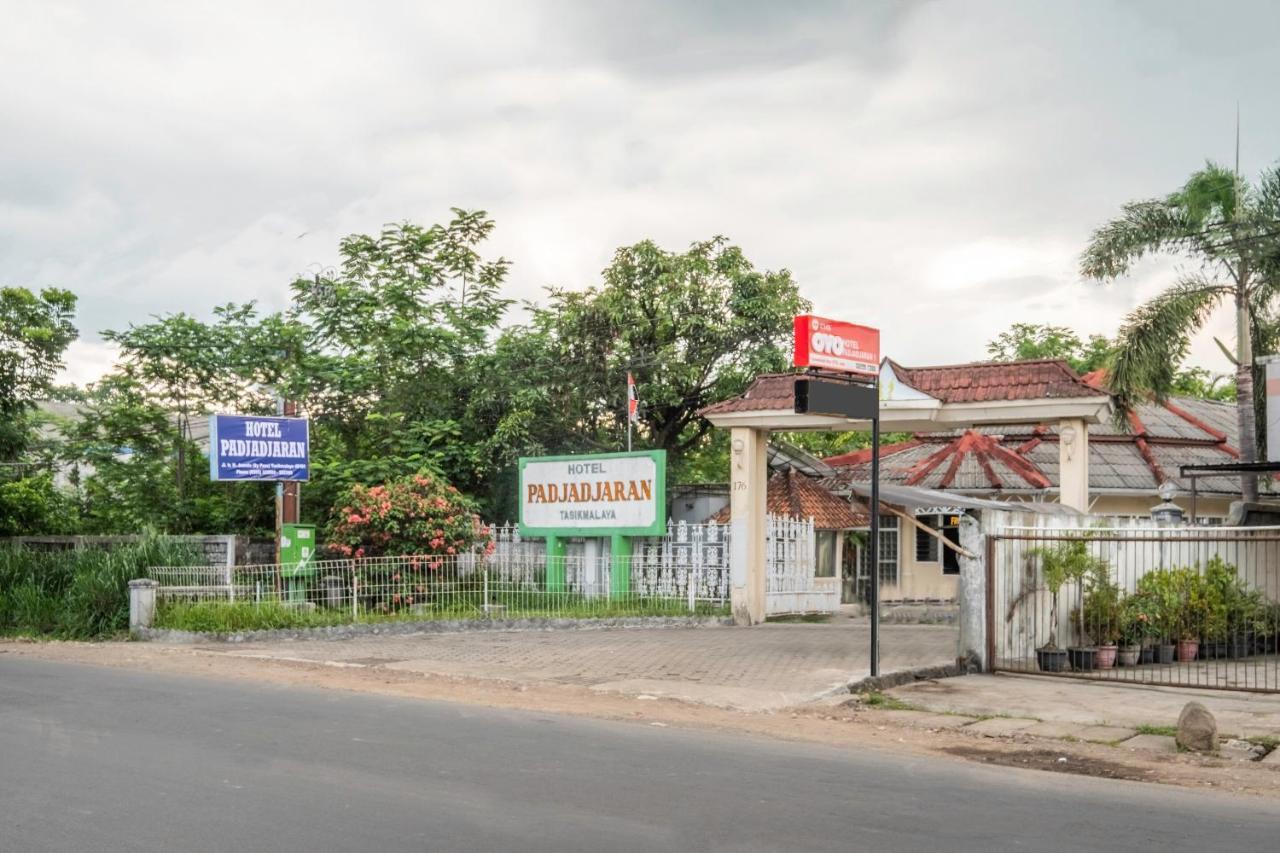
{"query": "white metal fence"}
pixel 685 571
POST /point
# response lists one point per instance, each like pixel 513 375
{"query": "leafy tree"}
pixel 1025 341
pixel 394 349
pixel 693 327
pixel 35 330
pixel 1230 229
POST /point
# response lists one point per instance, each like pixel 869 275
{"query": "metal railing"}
pixel 429 587
pixel 1194 607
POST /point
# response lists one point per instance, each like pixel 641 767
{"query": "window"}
pixel 926 545
pixel 826 556
pixel 888 557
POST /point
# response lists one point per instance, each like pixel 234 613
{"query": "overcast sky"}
pixel 932 169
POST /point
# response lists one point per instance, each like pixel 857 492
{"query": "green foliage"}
pixel 229 617
pixel 1066 562
pixel 35 330
pixel 33 505
pixel 693 327
pixel 1025 341
pixel 1181 599
pixel 1104 607
pixel 1228 229
pixel 80 594
pixel 419 515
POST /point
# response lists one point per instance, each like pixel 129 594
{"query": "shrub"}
pixel 82 593
pixel 421 515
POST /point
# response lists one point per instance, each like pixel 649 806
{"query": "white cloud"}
pixel 932 168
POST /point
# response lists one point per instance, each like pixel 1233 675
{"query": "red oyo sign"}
pixel 833 345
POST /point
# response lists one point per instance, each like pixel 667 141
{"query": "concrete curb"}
pixel 870 684
pixel 439 626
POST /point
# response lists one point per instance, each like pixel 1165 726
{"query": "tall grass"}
pixel 78 594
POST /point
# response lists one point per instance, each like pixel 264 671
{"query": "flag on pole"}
pixel 633 402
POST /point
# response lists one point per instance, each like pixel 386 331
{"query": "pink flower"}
pixel 359 553
pixel 354 518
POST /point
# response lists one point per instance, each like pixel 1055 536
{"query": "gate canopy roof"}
pixel 925 399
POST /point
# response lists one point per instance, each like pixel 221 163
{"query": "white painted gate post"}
pixel 748 477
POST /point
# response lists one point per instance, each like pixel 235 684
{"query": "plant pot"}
pixel 1148 655
pixel 1165 652
pixel 1051 660
pixel 1083 659
pixel 1240 647
pixel 1187 650
pixel 1128 655
pixel 1213 650
pixel 1107 656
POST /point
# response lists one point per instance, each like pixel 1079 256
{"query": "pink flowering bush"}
pixel 420 515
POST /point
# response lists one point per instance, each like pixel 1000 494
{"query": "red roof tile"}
pixel 987 381
pixel 793 495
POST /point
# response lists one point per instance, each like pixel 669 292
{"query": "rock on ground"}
pixel 1197 729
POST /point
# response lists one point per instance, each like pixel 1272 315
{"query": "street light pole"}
pixel 874 545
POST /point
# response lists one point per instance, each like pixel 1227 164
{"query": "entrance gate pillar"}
pixel 1073 463
pixel 749 478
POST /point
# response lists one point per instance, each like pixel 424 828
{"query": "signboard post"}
pixel 613 495
pixel 258 447
pixel 835 346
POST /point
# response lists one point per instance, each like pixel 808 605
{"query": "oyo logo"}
pixel 828 344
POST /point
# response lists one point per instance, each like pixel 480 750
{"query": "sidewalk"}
pixel 764 668
pixel 1083 702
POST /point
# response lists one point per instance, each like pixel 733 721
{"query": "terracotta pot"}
pixel 1107 656
pixel 1187 650
pixel 1128 655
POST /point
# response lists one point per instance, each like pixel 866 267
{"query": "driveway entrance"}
pixel 771 666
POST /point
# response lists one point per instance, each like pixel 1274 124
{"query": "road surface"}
pixel 109 760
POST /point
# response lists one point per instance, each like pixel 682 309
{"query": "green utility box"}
pixel 297 553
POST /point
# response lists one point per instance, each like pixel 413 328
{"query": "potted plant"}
pixel 1136 627
pixel 1101 616
pixel 1063 563
pixel 1159 590
pixel 1055 570
pixel 1193 612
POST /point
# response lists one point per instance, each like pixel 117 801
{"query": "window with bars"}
pixel 888 557
pixel 926 545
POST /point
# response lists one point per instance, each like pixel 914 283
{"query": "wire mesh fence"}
pixel 430 587
pixel 1175 606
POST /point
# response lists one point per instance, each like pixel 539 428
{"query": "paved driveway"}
pixel 760 668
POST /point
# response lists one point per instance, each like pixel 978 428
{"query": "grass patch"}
pixel 80 593
pixel 1162 731
pixel 227 617
pixel 1268 742
pixel 886 702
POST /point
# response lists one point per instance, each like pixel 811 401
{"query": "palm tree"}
pixel 1231 230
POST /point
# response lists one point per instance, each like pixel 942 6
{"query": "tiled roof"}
pixel 767 392
pixel 1022 457
pixel 989 381
pixel 794 495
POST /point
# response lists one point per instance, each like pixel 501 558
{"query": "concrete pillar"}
pixel 748 479
pixel 142 603
pixel 1073 463
pixel 972 594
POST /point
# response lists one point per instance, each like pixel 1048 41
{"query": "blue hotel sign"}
pixel 249 447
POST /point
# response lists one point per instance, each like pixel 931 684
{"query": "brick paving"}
pixel 759 668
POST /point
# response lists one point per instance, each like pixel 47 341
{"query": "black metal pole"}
pixel 875 539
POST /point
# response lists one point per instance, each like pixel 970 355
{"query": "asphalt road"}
pixel 109 760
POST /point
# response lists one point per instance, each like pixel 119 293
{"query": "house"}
pixel 792 494
pixel 1020 462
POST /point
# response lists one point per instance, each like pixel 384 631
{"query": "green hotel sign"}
pixel 602 494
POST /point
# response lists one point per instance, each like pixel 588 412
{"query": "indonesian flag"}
pixel 633 402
